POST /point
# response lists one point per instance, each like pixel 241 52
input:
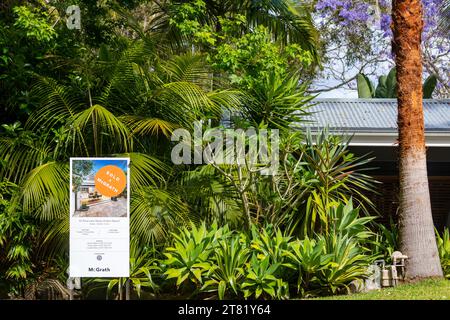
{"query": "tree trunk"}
pixel 417 238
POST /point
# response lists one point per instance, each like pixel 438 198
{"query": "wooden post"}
pixel 120 289
pixel 127 289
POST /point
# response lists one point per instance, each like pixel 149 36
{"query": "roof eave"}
pixel 389 138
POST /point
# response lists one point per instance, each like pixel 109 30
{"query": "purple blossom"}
pixel 385 24
pixel 328 4
pixel 348 15
pixel 431 14
pixel 347 12
pixel 384 3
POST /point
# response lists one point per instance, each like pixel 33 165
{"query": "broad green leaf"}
pixel 221 289
pixel 364 85
pixel 428 86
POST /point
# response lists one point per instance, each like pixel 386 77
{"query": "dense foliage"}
pixel 262 263
pixel 119 86
pixel 443 242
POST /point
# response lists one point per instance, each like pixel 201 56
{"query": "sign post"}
pixel 99 217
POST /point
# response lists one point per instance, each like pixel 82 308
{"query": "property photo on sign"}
pixel 99 188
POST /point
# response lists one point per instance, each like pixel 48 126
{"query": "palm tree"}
pixel 134 104
pixel 417 238
pixel 287 21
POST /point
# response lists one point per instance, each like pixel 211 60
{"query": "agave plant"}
pixel 260 280
pixel 347 262
pixel 226 270
pixel 346 220
pixel 187 260
pixel 269 242
pixel 327 263
pixel 307 258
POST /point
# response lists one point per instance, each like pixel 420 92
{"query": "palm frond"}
pixel 148 126
pixel 54 238
pixel 288 22
pixel 144 170
pixel 128 78
pixel 183 103
pixel 107 132
pixel 57 104
pixel 44 192
pixel 210 195
pixel 14 164
pixel 188 68
pixel 232 100
pixel 155 213
pixel 279 101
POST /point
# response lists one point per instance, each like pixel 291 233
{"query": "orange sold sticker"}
pixel 110 181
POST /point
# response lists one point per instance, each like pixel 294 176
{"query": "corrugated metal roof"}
pixel 372 114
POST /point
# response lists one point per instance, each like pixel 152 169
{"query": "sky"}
pixel 122 164
pixel 338 93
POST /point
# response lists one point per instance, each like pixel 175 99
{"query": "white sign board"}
pixel 99 217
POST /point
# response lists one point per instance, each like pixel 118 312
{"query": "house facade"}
pixel 373 125
pixel 88 193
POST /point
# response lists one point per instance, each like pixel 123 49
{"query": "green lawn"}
pixel 424 290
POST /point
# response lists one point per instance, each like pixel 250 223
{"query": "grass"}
pixel 423 290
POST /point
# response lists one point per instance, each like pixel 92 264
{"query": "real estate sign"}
pixel 99 217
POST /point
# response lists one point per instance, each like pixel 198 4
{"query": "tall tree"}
pixel 416 223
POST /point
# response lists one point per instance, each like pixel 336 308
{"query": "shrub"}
pixel 260 280
pixel 17 243
pixel 306 258
pixel 386 241
pixel 346 220
pixel 215 260
pixel 266 264
pixel 444 251
pixel 142 267
pixel 226 269
pixel 269 242
pixel 347 262
pixel 327 264
pixel 188 259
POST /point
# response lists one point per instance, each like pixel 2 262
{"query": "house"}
pixel 88 192
pixel 373 124
pixel 88 185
